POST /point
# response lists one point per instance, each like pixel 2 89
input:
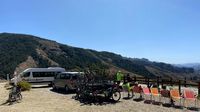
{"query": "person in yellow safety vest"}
pixel 126 84
pixel 119 77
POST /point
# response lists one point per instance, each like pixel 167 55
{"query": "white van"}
pixel 41 75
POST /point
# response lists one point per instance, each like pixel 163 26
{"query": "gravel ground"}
pixel 45 100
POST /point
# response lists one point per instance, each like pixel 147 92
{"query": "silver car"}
pixel 66 80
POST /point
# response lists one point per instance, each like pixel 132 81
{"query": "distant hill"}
pixel 19 51
pixel 195 66
pixel 191 65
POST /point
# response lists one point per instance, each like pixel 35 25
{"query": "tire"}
pixel 19 96
pixel 116 96
pixel 53 86
pixel 10 98
pixel 78 93
pixel 66 89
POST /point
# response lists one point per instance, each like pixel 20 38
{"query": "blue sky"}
pixel 160 30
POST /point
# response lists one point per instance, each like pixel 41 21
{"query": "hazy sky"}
pixel 160 30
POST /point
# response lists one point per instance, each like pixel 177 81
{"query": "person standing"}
pixel 14 80
pixel 119 77
pixel 15 93
pixel 127 83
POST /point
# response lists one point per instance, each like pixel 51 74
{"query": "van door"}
pixel 65 79
pixel 57 80
pixel 73 81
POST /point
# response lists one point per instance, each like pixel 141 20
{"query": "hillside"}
pixel 195 66
pixel 19 51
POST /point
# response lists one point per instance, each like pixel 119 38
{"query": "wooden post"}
pixel 135 79
pixel 162 82
pixel 199 88
pixel 148 83
pixel 171 82
pixel 158 81
pixel 185 82
pixel 179 86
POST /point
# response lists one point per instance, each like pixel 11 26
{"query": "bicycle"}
pixel 15 94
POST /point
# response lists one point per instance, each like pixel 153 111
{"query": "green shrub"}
pixel 25 86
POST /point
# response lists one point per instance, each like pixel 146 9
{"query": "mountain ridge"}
pixel 19 51
pixel 195 66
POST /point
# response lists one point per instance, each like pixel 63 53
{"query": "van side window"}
pixel 58 76
pixel 50 74
pixel 62 76
pixel 43 74
pixel 36 74
pixel 67 76
pixel 27 74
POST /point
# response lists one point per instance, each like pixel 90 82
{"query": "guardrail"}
pixel 164 81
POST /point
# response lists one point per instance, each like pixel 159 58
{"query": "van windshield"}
pixel 26 74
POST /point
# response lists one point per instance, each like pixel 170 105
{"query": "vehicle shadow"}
pixel 38 87
pixel 98 100
pixel 62 91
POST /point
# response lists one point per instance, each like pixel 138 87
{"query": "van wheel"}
pixel 66 89
pixel 54 87
pixel 51 84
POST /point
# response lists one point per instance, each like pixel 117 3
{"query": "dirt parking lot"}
pixel 45 100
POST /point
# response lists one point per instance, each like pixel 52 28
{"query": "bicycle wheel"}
pixel 10 98
pixel 78 93
pixel 116 96
pixel 19 96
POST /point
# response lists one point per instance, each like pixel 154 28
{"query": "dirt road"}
pixel 45 100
